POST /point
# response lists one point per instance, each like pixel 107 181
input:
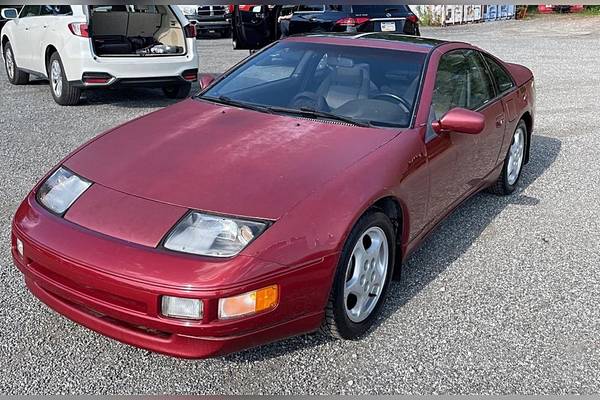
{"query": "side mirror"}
pixel 460 120
pixel 206 79
pixel 10 13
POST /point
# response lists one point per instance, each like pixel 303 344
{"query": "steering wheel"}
pixel 392 98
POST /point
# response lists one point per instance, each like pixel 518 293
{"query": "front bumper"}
pixel 212 25
pixel 102 283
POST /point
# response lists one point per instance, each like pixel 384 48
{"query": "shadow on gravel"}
pixel 464 226
pixel 127 98
pixel 437 253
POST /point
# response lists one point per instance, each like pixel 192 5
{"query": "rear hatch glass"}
pixel 376 11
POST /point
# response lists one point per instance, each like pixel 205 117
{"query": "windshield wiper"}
pixel 309 112
pixel 235 103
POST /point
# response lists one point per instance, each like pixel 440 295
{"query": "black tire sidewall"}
pixel 178 91
pixel 347 328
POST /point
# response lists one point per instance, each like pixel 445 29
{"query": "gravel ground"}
pixel 502 298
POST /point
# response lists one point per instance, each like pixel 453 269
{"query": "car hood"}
pixel 221 159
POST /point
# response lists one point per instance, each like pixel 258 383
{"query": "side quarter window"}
pixel 503 79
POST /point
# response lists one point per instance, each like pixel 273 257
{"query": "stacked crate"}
pixel 461 14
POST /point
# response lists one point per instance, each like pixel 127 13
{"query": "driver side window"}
pixel 461 81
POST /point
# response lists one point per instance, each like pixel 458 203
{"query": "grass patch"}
pixel 591 10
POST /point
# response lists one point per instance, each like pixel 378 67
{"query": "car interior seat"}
pixel 347 81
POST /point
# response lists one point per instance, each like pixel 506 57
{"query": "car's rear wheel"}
pixel 362 277
pixel 15 75
pixel 513 162
pixel 178 91
pixel 62 91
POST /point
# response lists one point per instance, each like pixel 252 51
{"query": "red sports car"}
pixel 279 200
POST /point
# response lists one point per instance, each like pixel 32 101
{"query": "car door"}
pixel 506 90
pixel 483 98
pixel 254 26
pixel 21 40
pixel 458 162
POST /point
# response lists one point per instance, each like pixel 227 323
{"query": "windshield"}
pixel 371 86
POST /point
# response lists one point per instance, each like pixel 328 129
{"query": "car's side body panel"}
pixel 461 164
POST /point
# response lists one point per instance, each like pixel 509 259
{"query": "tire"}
pixel 346 316
pixel 513 162
pixel 226 33
pixel 62 91
pixel 178 91
pixel 14 74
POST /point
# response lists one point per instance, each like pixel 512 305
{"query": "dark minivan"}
pixel 255 26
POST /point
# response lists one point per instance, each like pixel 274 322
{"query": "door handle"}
pixel 499 121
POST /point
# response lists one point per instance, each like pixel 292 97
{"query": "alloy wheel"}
pixel 366 274
pixel 56 78
pixel 515 156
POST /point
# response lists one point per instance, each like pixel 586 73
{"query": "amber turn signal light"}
pixel 249 303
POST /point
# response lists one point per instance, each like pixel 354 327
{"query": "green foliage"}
pixel 591 10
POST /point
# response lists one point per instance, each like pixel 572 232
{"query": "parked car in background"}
pixel 5 20
pixel 278 201
pixel 79 47
pixel 549 8
pixel 215 18
pixel 255 26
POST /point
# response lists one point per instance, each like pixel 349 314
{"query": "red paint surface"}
pixel 101 265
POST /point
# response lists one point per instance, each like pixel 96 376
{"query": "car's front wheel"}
pixel 62 91
pixel 15 75
pixel 513 162
pixel 178 91
pixel 362 277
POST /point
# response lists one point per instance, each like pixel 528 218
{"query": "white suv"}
pixel 79 47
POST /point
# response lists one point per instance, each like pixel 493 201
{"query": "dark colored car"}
pixel 256 26
pixel 278 201
pixel 209 18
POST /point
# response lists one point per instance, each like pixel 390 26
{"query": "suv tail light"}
pixel 79 29
pixel 190 75
pixel 351 21
pixel 96 78
pixel 190 31
pixel 413 18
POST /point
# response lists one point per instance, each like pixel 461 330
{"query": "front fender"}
pixel 320 224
